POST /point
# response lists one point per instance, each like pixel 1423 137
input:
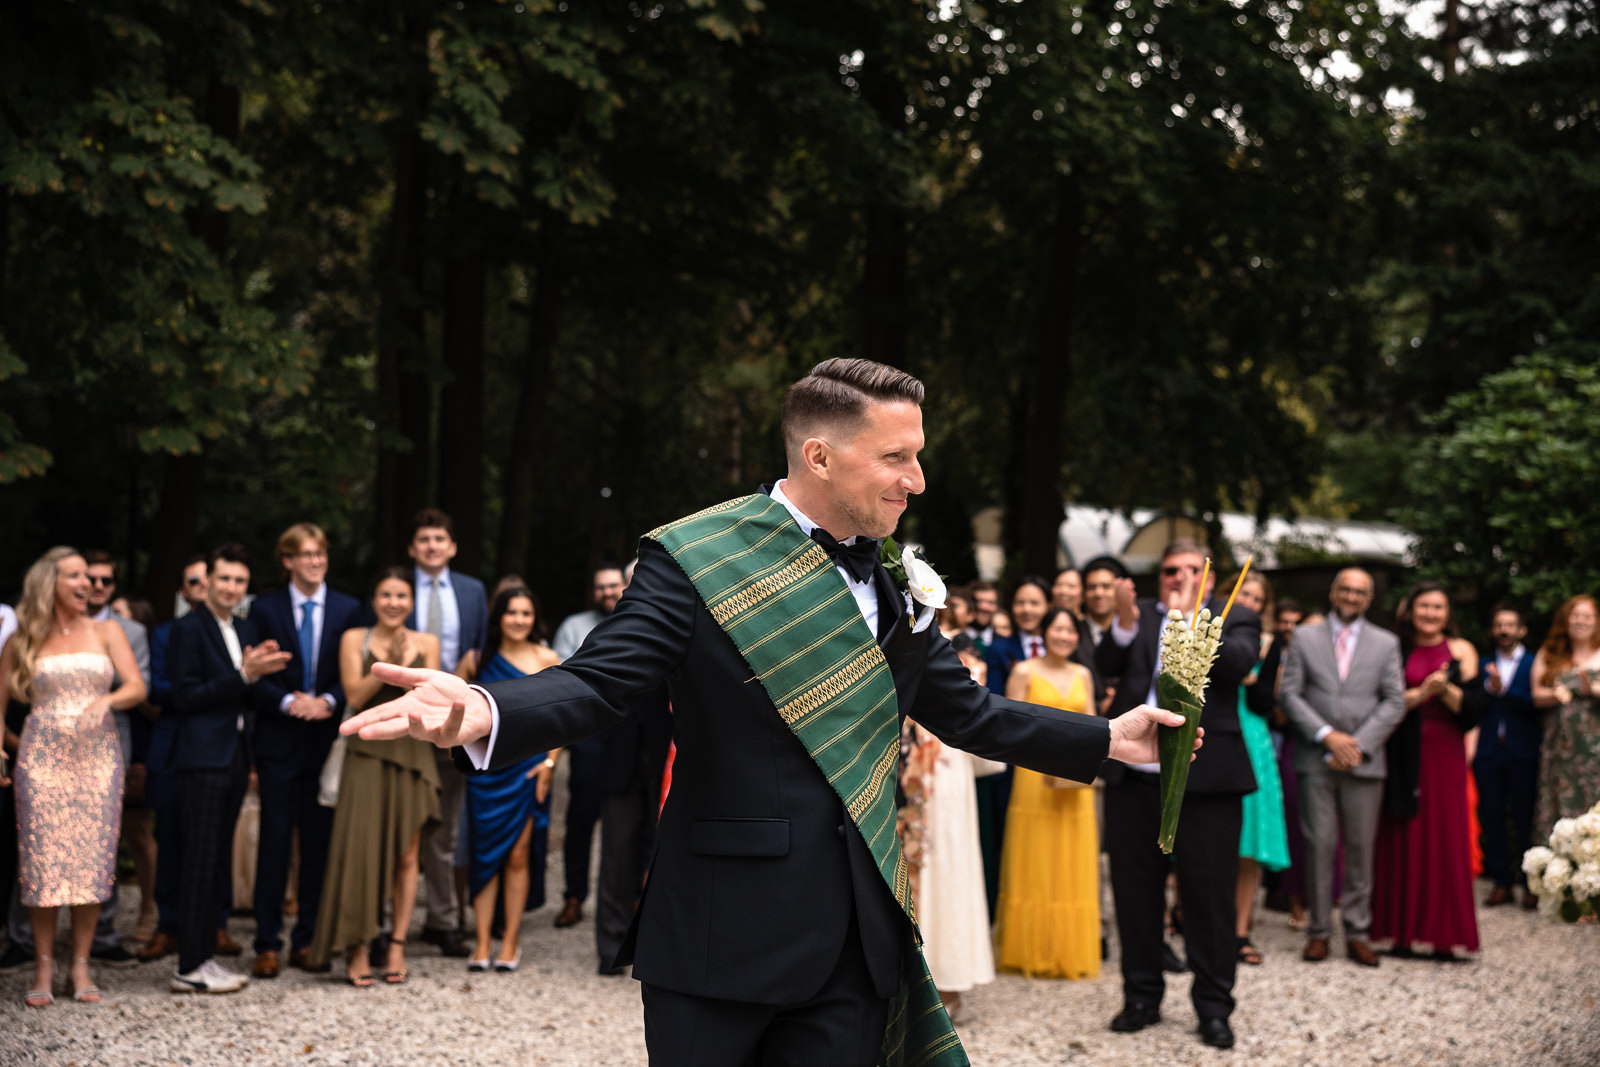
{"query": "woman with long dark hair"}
pixel 1422 861
pixel 388 794
pixel 508 810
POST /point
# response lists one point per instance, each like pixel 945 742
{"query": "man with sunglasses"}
pixel 1206 852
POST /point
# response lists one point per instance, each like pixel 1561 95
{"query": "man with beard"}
pixel 584 759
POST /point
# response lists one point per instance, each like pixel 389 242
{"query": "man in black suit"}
pixel 216 662
pixel 1506 764
pixel 300 710
pixel 1206 849
pixel 774 929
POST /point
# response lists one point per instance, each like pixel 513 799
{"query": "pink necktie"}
pixel 1341 651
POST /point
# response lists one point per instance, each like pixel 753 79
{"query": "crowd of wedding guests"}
pixel 1335 771
pixel 1344 763
pixel 123 729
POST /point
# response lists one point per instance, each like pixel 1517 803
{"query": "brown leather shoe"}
pixel 1530 902
pixel 1362 953
pixel 158 946
pixel 1316 950
pixel 1500 895
pixel 571 913
pixel 266 965
pixel 227 946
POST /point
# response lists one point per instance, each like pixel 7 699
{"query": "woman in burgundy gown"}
pixel 1422 871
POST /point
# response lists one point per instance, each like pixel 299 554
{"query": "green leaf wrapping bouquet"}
pixel 1187 653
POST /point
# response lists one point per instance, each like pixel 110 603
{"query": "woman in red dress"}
pixel 1422 871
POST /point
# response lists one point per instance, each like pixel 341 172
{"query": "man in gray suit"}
pixel 1344 690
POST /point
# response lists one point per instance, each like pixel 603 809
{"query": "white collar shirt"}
pixel 866 596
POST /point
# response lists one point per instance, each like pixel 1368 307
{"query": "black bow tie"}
pixel 857 559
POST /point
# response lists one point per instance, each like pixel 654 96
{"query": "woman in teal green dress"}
pixel 1263 838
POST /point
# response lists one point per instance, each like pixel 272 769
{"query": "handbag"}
pixel 332 769
pixel 333 766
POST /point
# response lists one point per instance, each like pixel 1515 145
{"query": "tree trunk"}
pixel 528 430
pixel 176 527
pixel 461 406
pixel 1046 387
pixel 883 284
pixel 401 484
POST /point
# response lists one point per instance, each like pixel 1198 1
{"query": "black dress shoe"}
pixel 1216 1032
pixel 1135 1017
pixel 114 954
pixel 451 943
pixel 1171 962
pixel 611 969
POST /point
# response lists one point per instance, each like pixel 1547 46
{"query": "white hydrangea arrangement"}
pixel 1566 874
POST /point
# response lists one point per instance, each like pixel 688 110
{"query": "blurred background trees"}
pixel 549 264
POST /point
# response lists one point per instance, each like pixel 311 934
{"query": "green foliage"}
pixel 1500 496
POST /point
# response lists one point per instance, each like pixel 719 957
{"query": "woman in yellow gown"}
pixel 1048 921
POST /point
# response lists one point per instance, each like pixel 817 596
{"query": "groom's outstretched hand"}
pixel 437 707
pixel 1133 734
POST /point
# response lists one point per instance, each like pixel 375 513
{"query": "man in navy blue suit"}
pixel 1507 763
pixel 298 722
pixel 217 662
pixel 455 609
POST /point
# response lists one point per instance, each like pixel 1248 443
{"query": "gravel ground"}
pixel 1531 999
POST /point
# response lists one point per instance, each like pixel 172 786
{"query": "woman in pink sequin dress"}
pixel 69 765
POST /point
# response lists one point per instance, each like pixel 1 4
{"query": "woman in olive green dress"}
pixel 388 794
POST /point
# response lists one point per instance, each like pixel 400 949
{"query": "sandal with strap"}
pixel 360 981
pixel 1248 953
pixel 396 977
pixel 89 994
pixel 42 998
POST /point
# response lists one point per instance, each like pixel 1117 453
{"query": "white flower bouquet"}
pixel 1566 874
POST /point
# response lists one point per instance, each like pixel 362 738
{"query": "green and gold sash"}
pixel 778 596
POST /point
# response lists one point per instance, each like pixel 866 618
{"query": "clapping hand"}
pixel 1492 680
pixel 263 659
pixel 1436 682
pixel 1126 600
pixel 438 708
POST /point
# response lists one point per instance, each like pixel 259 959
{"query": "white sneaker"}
pixel 209 977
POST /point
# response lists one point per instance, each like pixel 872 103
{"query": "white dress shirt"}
pixel 230 638
pixel 449 614
pixel 319 613
pixel 1124 638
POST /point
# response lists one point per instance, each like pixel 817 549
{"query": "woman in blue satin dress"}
pixel 508 810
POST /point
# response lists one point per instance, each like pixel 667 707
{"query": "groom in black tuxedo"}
pixel 766 932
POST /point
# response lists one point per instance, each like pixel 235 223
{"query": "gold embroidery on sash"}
pixel 830 687
pixel 730 607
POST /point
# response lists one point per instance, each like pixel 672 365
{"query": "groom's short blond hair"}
pixel 836 394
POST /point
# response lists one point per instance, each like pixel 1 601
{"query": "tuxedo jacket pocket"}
pixel 739 837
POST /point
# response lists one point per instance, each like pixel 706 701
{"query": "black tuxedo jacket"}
pixel 280 736
pixel 1222 766
pixel 758 869
pixel 208 693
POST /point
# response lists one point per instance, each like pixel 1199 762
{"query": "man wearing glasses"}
pixel 306 618
pixel 1344 689
pixel 1206 851
pixel 584 758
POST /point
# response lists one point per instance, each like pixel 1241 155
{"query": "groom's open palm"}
pixel 437 707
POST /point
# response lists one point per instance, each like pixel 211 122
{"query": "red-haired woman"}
pixel 1566 680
